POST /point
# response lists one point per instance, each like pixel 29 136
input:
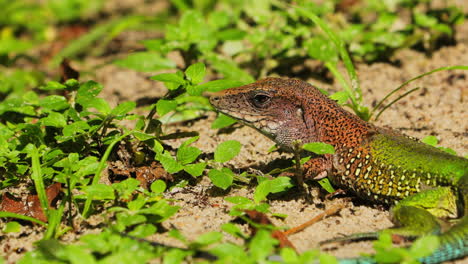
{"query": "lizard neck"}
pixel 331 124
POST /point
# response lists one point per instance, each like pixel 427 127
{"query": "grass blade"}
pixel 100 168
pixel 36 176
pixel 22 217
pixel 456 67
pixel 394 101
pixel 356 93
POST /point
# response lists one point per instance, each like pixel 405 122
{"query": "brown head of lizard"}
pixel 286 110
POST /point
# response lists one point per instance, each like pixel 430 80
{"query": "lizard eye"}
pixel 260 100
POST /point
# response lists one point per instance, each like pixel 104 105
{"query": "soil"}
pixel 438 108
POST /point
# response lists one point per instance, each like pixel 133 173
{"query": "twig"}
pixel 330 211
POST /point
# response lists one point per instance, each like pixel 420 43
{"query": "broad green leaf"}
pixel 233 230
pixel 143 230
pixel 231 252
pixel 238 200
pixel 276 185
pixel 221 178
pixel 54 119
pixel 195 169
pixel 175 256
pixel 52 85
pixel 158 186
pixel 75 128
pixel 169 77
pixel 430 140
pixel 123 108
pixel 227 150
pixel 100 191
pixel 165 106
pixel 142 136
pixel 320 49
pixel 340 97
pixel 168 162
pixel 192 26
pixel 208 239
pixel 54 103
pixel 12 227
pixel 187 154
pixel 86 97
pixel 136 204
pixel 222 121
pixel 325 183
pixel 89 89
pixel 424 246
pixel 145 62
pixel 289 255
pixel 319 148
pixel 219 85
pixel 126 187
pixel 195 73
pixel 262 245
pixel 327 259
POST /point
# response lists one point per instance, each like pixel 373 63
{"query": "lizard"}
pixel 377 164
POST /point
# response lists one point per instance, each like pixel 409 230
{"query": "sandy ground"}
pixel 439 108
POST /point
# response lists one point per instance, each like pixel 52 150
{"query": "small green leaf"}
pixel 54 103
pixel 219 85
pixel 233 230
pixel 175 256
pixel 430 140
pixel 136 204
pixel 319 148
pixel 126 187
pixel 222 121
pixel 262 245
pixel 227 150
pixel 142 136
pixel 143 230
pixel 325 183
pixel 424 246
pixel 145 62
pixel 100 192
pixel 320 48
pixel 12 227
pixel 289 255
pixel 276 185
pixel 165 106
pixel 53 86
pixel 195 72
pixel 327 259
pixel 340 97
pixel 230 252
pixel 123 108
pixel 168 162
pixel 238 200
pixel 195 169
pixel 187 155
pixel 169 77
pixel 208 239
pixel 54 119
pixel 158 186
pixel 221 178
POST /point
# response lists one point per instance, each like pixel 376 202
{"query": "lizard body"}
pixel 375 163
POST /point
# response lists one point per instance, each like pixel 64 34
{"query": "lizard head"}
pixel 270 105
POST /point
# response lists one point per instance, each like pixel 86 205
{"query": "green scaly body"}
pixel 388 167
